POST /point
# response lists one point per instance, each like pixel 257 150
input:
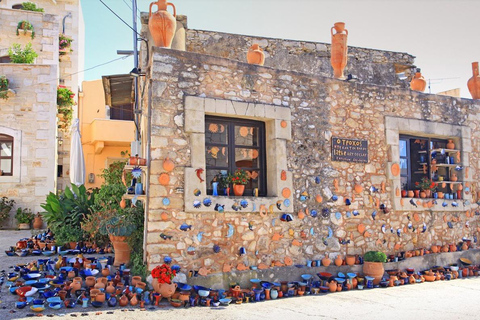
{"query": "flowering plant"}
pixel 426 184
pixel 64 42
pixel 163 273
pixel 65 97
pixel 239 177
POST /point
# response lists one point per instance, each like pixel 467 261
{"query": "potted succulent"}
pixel 239 179
pixel 6 206
pixel 24 218
pixel 25 27
pixel 373 265
pixel 119 225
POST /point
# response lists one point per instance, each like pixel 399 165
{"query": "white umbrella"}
pixel 77 162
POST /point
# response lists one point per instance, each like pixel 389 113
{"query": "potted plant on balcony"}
pixel 19 55
pixel 30 6
pixel 373 265
pixel 64 44
pixel 64 110
pixel 6 206
pixel 239 179
pixel 3 87
pixel 24 218
pixel 25 27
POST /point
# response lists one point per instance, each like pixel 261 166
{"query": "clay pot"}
pixel 123 301
pixel 105 272
pixel 450 144
pixel 165 289
pixel 100 297
pixel 122 250
pixel 350 260
pixel 93 293
pixel 338 261
pixel 162 24
pixel 332 286
pixel 135 280
pixel 90 281
pixel 339 49
pixel 418 82
pixel 326 261
pixel 453 177
pixel 428 193
pixel 134 300
pixel 423 194
pixel 391 281
pixel 445 248
pixel 404 193
pixel 440 195
pixel 141 285
pixel 452 248
pixel 37 222
pixel 255 55
pixel 410 194
pixel 373 269
pixel 417 193
pixel 464 246
pixel 62 294
pixel 474 82
pixel 76 285
pixel 110 288
pixel 238 189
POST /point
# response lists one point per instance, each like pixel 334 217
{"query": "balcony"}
pixel 106 132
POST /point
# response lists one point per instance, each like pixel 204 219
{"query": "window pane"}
pixel 216 132
pixel 246 136
pixel 403 166
pixel 246 158
pixel 403 148
pixel 6 149
pixel 6 166
pixel 216 156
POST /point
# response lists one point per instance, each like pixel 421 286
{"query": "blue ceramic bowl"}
pixel 255 281
pixel 31 276
pixel 306 277
pixel 184 286
pixel 351 274
pixel 55 305
pixel 267 285
pixel 41 286
pixel 97 304
pixel 10 253
pixel 20 304
pixel 67 269
pixel 48 294
pixel 196 288
pixel 38 302
pixel 225 301
pixel 340 280
pixel 323 289
pixel 54 299
pixel 30 282
pixel 36 252
pixel 203 293
pixel 341 275
pixel 48 253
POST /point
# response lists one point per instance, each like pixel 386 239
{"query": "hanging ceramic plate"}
pixel 166 201
pixel 338 215
pixel 286 193
pixel 313 213
pixel 197 204
pixel 207 202
pixel 136 172
pixel 244 203
pixel 243 131
pixel 286 203
pixel 197 192
pixel 325 212
pixel 348 214
pixel 213 127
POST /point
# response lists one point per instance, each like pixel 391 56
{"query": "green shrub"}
pixel 24 215
pixel 19 55
pixel 5 208
pixel 30 6
pixel 375 256
pixel 3 92
pixel 25 25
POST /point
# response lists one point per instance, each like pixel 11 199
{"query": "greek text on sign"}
pixel 349 150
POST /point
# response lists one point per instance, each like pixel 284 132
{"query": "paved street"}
pixel 457 299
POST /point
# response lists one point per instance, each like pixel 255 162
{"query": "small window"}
pixel 121 112
pixel 6 155
pixel 232 144
pixel 422 157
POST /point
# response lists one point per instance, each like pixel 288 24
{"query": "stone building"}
pixel 333 156
pixel 32 146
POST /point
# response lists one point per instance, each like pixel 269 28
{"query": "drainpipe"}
pixel 69 15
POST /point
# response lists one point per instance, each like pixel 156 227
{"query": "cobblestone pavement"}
pixel 457 299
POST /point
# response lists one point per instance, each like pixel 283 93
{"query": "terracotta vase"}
pixel 423 194
pixel 90 281
pixel 76 285
pixel 123 203
pixel 428 193
pixel 100 297
pixel 162 24
pixel 141 285
pixel 410 194
pixel 417 193
pixel 339 49
pixel 373 269
pixel 255 55
pixel 440 194
pixel 338 261
pixel 110 288
pixel 122 250
pixel 474 82
pixel 38 222
pixel 166 290
pixel 404 193
pixel 123 301
pixel 135 280
pixel 350 260
pixel 332 286
pixel 105 272
pixel 453 177
pixel 326 261
pixel 450 144
pixel 134 300
pixel 418 82
pixel 238 189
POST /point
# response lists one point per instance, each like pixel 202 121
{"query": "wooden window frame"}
pixel 8 139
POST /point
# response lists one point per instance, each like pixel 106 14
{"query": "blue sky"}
pixel 442 34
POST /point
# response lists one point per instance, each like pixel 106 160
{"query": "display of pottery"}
pixel 255 55
pixel 339 49
pixel 162 24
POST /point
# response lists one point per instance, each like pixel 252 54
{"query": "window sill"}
pixel 408 206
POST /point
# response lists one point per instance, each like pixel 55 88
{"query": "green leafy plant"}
pixel 6 206
pixel 65 97
pixel 64 43
pixel 4 87
pixel 65 234
pixel 25 26
pixel 119 222
pixel 239 177
pixel 19 55
pixel 30 6
pixel 24 215
pixel 375 256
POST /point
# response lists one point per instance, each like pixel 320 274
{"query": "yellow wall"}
pixel 103 139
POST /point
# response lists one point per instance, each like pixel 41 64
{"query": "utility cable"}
pixel 119 17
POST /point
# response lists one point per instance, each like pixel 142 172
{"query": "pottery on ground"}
pixel 373 269
pixel 122 250
pixel 164 289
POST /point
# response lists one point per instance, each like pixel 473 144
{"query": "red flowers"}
pixel 163 273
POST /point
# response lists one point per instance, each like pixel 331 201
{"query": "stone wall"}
pixel 30 116
pixel 369 65
pixel 321 108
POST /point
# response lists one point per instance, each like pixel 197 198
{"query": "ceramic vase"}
pixel 215 189
pixel 326 261
pixel 38 222
pixel 373 269
pixel 339 49
pixel 238 189
pixel 164 289
pixel 418 82
pixel 122 250
pixel 474 82
pixel 162 24
pixel 255 55
pixel 338 261
pixel 450 144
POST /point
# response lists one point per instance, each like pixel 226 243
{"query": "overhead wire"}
pixel 119 17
